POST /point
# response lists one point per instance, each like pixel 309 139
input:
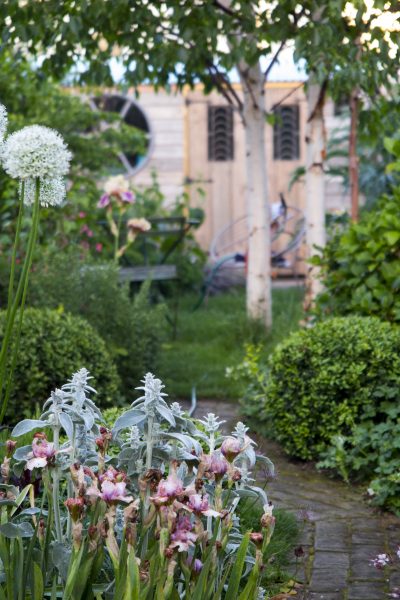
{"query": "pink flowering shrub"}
pixel 146 510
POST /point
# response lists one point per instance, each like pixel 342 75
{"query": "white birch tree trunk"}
pixel 258 280
pixel 315 184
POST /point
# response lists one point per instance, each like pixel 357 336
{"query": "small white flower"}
pixel 52 191
pixel 36 151
pixel 380 561
pixel 3 122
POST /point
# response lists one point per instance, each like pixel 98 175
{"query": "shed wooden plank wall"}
pixel 180 152
pixel 165 114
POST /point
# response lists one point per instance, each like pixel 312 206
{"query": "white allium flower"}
pixel 52 191
pixel 36 151
pixel 3 122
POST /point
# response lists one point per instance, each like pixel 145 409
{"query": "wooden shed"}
pixel 197 141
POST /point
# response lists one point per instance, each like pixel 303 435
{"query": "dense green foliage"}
pixel 361 267
pixel 132 329
pixel 53 345
pixel 376 120
pixel 371 453
pixel 31 98
pixel 331 393
pixel 210 340
pixel 321 381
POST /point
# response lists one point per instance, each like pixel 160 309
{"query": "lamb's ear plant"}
pixel 148 510
pixel 38 158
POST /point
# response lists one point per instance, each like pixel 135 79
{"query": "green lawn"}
pixel 212 338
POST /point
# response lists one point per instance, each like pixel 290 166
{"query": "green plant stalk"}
pixel 19 296
pixel 15 249
pixel 5 556
pixel 56 489
pixel 20 571
pixel 70 487
pixel 149 460
pixel 211 446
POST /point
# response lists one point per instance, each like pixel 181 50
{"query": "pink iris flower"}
pixel 183 537
pixel 196 565
pixel 231 448
pixel 105 199
pixel 199 505
pixel 218 464
pixel 42 452
pixel 111 492
pixel 168 489
pixel 112 475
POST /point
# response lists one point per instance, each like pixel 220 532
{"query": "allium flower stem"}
pixel 15 249
pixel 19 302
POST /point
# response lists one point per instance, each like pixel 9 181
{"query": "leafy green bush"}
pixel 361 267
pixel 371 453
pixel 132 329
pixel 53 345
pixel 321 381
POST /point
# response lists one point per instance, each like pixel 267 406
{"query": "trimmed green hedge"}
pixel 323 380
pixel 53 345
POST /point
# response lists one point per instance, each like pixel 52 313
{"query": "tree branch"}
pixel 274 59
pixel 286 96
pixel 224 85
pixel 225 9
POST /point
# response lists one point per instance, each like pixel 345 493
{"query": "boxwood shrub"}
pixel 133 328
pixel 322 381
pixel 53 345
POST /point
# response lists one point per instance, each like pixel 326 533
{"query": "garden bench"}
pixel 174 227
pixel 154 272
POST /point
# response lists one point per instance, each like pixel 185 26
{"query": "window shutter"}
pixel 220 133
pixel 287 133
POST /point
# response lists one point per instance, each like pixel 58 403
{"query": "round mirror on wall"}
pixel 132 115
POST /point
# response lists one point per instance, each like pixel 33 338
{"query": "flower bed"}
pixel 148 509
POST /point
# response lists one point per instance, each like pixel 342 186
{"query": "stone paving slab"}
pixel 343 533
pixel 366 591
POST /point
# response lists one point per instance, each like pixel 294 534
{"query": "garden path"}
pixel 344 533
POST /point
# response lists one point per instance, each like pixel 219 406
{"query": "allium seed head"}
pixel 36 151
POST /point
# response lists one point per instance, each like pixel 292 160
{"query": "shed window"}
pixel 220 133
pixel 131 114
pixel 286 133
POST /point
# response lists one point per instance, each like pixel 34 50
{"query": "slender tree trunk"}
pixel 353 158
pixel 258 282
pixel 315 183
